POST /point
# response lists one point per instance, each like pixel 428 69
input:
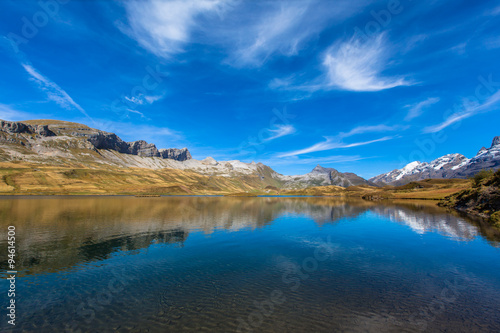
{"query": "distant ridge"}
pixel 321 176
pixel 66 143
pixel 54 142
pixel 444 167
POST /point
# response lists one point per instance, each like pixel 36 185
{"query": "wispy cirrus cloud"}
pixel 295 160
pixel 279 131
pixel 53 91
pixel 416 110
pixel 336 142
pixel 371 129
pixel 266 37
pixel 357 65
pixel 330 144
pixel 162 27
pixel 284 28
pixel 468 110
pixel 250 33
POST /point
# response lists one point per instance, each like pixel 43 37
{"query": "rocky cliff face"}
pixel 66 135
pixel 13 131
pixel 176 154
pixel 445 167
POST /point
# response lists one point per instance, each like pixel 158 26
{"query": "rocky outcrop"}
pixel 496 141
pixel 176 154
pixel 104 140
pixel 482 199
pixel 13 127
pixel 19 132
pixel 445 167
pixel 143 149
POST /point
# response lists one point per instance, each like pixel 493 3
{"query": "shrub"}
pixel 480 176
pixel 495 219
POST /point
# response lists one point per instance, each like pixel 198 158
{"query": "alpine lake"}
pixel 248 264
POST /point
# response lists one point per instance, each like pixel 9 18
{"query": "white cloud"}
pixel 280 131
pixel 371 129
pixel 134 100
pixel 330 144
pixel 53 91
pixel 249 32
pixel 337 143
pixel 294 160
pixel 357 66
pixel 449 121
pixel 144 99
pixel 468 111
pixel 273 33
pixel 136 112
pixel 415 110
pixel 164 27
pixel 152 99
pixel 284 28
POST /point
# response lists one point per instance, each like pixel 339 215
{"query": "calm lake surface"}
pixel 267 264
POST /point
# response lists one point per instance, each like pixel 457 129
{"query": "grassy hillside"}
pixel 24 178
pixel 19 177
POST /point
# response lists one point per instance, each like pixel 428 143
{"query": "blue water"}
pixel 215 264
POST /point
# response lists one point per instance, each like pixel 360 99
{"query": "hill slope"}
pixel 50 156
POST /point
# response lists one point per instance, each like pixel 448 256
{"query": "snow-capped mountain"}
pixel 447 166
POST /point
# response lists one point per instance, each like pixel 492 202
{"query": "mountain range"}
pixel 67 144
pixel 444 167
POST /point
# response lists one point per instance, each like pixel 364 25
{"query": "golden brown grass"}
pixel 23 178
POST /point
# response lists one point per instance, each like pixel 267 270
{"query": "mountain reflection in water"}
pixel 57 233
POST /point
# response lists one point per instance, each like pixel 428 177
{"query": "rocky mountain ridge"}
pixel 321 176
pixel 35 134
pixel 444 167
pixel 66 143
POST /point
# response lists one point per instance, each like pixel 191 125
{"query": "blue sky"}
pixel 361 86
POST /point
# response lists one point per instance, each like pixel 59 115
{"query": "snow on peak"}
pixel 496 141
pixel 411 166
pixel 408 169
pixel 440 162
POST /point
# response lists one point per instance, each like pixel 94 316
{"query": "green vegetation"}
pixel 495 219
pixel 478 178
pixel 481 199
